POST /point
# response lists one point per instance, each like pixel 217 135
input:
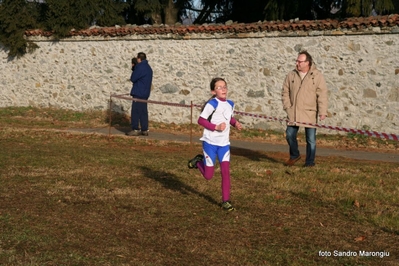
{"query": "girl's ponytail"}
pixel 203 106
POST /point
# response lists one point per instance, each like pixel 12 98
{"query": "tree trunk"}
pixel 171 11
pixel 156 18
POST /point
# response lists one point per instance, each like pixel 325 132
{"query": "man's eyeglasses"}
pixel 221 87
pixel 299 61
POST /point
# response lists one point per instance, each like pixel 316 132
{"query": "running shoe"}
pixel 193 162
pixel 227 206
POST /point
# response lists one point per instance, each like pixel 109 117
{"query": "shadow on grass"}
pixel 252 155
pixel 170 181
pixel 117 118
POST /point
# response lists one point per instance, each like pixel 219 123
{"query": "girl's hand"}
pixel 221 127
pixel 238 125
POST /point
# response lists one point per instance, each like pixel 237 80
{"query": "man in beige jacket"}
pixel 304 99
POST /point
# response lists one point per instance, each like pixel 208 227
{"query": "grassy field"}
pixel 86 199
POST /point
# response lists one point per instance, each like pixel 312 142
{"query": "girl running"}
pixel 216 118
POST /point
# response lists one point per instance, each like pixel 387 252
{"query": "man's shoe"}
pixel 134 133
pixel 193 162
pixel 227 206
pixel 291 162
pixel 144 133
pixel 309 165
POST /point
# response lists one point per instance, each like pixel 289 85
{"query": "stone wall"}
pixel 80 73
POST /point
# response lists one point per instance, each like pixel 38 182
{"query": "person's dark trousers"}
pixel 291 136
pixel 139 114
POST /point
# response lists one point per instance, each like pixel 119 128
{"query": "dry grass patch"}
pixel 83 199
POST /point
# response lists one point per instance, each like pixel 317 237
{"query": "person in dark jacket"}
pixel 141 78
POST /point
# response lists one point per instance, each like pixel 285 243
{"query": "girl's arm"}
pixel 206 124
pixel 235 123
